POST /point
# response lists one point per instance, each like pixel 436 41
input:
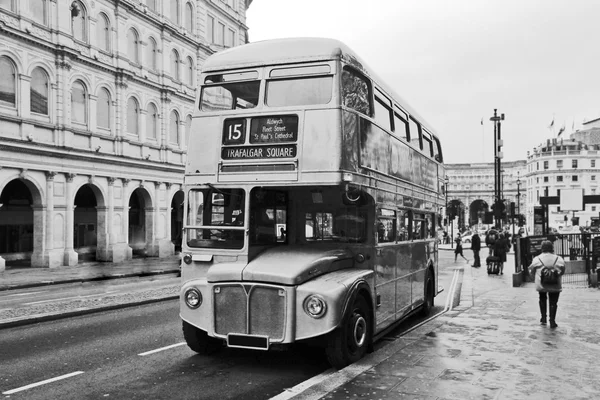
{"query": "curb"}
pixel 94 279
pixel 76 313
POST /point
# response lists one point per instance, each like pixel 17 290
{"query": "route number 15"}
pixel 234 131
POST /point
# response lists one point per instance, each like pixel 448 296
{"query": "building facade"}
pixel 569 163
pixel 96 104
pixel 471 187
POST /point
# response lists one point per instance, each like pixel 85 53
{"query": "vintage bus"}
pixel 312 201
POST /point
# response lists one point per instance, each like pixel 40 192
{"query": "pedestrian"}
pixel 476 246
pixel 500 250
pixel 554 265
pixel 459 249
pixel 446 237
pixel 490 239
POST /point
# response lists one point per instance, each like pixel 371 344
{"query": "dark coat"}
pixel 476 242
pixel 500 249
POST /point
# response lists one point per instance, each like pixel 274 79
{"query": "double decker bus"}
pixel 312 199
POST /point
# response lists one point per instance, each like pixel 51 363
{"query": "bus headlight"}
pixel 315 306
pixel 193 298
pixel 187 258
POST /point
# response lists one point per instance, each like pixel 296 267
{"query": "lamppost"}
pixel 518 198
pixel 497 165
pixel 446 181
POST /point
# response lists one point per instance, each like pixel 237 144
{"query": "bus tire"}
pixel 429 295
pixel 350 342
pixel 199 341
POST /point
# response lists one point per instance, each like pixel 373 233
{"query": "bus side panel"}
pixel 321 147
pixel 350 121
pixel 404 261
pixel 392 284
pixel 199 160
pixel 420 255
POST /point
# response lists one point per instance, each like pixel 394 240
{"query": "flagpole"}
pixel 482 141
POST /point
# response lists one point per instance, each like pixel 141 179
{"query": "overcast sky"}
pixel 455 61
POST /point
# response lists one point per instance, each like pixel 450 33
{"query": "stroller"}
pixel 493 265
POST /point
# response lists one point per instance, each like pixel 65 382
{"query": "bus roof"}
pixel 295 50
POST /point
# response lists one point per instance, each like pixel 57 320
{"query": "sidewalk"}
pixel 134 282
pixel 489 347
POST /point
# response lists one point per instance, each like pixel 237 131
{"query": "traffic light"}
pixel 512 208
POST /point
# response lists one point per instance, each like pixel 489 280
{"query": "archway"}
pixel 477 212
pixel 16 223
pixel 140 222
pixel 177 219
pixel 85 223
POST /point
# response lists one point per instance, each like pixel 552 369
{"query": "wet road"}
pixel 139 352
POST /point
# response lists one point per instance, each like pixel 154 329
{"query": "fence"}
pixel 580 251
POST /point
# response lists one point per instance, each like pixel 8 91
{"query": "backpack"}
pixel 548 275
pixel 491 238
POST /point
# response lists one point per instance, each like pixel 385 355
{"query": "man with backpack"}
pixel 548 269
pixel 490 240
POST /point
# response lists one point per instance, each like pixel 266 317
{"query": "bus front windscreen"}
pixel 215 218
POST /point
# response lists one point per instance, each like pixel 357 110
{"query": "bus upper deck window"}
pixel 229 96
pixel 356 92
pixel 299 91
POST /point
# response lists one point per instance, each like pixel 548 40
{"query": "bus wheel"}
pixel 199 341
pixel 349 342
pixel 429 296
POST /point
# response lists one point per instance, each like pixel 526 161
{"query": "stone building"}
pixel 96 104
pixel 566 163
pixel 471 186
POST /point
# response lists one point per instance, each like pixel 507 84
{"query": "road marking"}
pixel 69 298
pixel 58 378
pixel 23 294
pixel 161 349
pixel 449 299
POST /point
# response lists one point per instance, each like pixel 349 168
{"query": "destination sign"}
pixel 253 152
pixel 275 129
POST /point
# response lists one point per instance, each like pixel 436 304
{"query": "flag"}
pixel 561 130
pixel 551 123
pixel 573 127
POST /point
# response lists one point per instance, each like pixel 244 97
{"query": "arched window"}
pixel 133 113
pixel 175 65
pixel 151 122
pixel 7 5
pixel 78 103
pixel 103 109
pixel 38 101
pixel 151 54
pixel 103 32
pixel 8 83
pixel 190 71
pixel 78 21
pixel 132 45
pixel 188 128
pixel 174 128
pixel 151 4
pixel 175 11
pixel 39 10
pixel 189 17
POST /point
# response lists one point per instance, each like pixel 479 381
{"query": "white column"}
pixel 70 256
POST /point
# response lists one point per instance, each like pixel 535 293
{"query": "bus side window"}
pixel 430 228
pixel 437 150
pixel 400 125
pixel 383 111
pixel 427 143
pixel 386 226
pixel 415 133
pixel 356 92
pixel 419 227
pixel 404 226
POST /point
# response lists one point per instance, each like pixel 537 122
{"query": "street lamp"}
pixel 446 181
pixel 518 198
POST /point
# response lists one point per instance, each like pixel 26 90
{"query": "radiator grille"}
pixel 250 309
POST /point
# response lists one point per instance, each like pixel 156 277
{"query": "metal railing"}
pixel 572 247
